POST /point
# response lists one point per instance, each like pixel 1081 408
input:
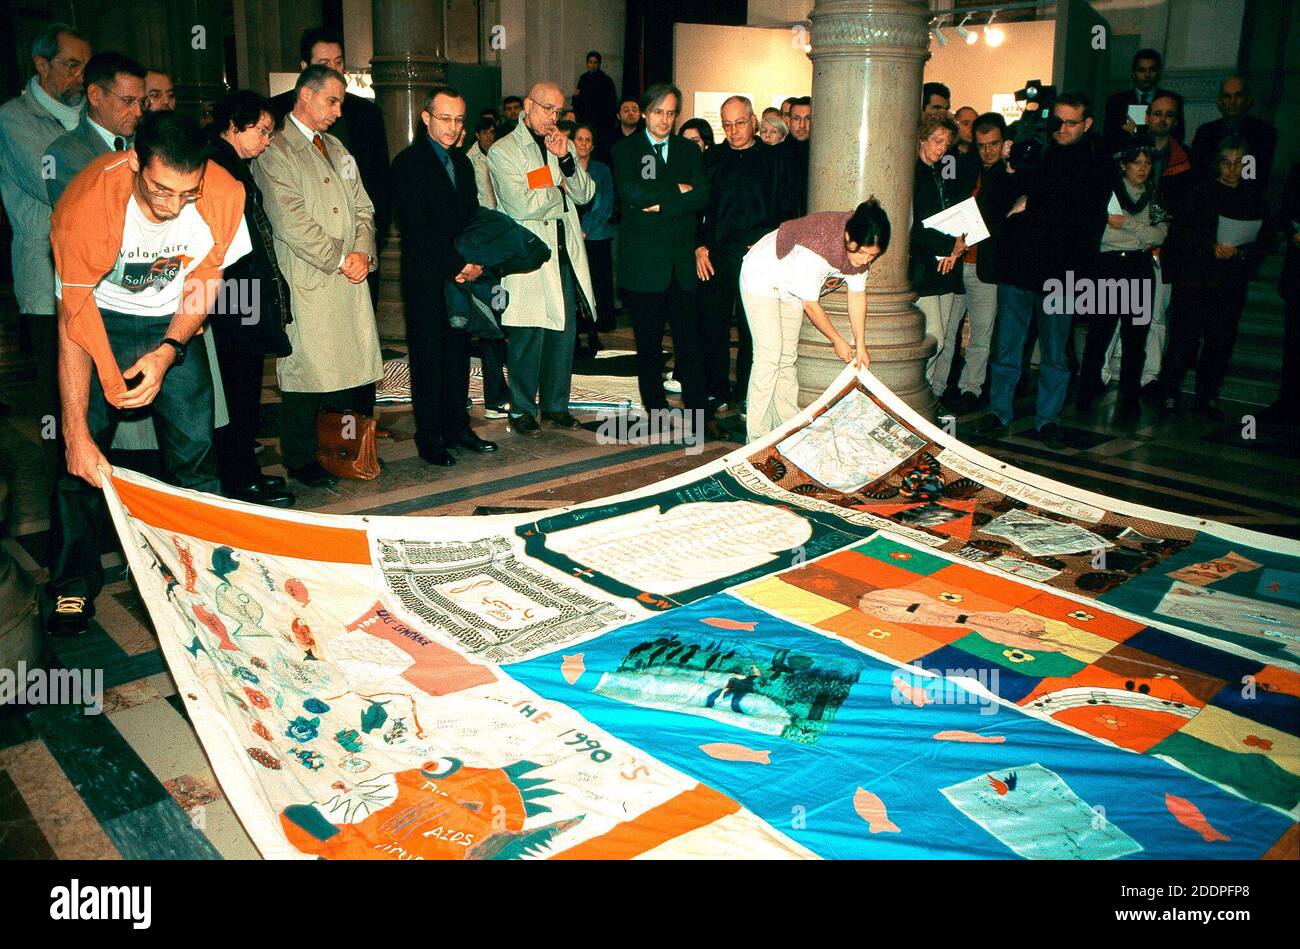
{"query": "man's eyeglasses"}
pixel 548 109
pixel 1072 123
pixel 74 66
pixel 165 194
pixel 456 120
pixel 129 101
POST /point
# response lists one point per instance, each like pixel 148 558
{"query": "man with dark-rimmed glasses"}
pixel 140 240
pixel 115 101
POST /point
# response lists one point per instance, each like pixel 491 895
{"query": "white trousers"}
pixel 938 312
pixel 773 395
pixel 982 310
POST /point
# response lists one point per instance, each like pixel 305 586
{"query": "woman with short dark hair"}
pixel 783 277
pixel 698 131
pixel 242 125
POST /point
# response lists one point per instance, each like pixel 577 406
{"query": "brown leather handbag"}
pixel 342 456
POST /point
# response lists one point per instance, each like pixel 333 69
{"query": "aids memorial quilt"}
pixel 856 638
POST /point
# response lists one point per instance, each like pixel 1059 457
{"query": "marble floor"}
pixel 134 781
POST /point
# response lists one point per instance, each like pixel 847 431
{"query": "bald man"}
pixel 539 182
pixel 749 195
pixel 1234 103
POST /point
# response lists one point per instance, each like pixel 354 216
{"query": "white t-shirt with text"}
pixel 155 259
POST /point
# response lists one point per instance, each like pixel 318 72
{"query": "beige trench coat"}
pixel 537 298
pixel 320 212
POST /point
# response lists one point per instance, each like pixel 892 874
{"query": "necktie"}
pixel 119 144
pixel 320 146
pixel 661 149
pixel 451 170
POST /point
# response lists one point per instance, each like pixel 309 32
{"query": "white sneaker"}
pixel 496 411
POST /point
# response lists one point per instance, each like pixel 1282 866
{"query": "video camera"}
pixel 1031 133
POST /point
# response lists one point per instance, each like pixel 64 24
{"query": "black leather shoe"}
pixel 468 439
pixel 70 616
pixel 560 419
pixel 259 493
pixel 989 428
pixel 525 425
pixel 437 455
pixel 275 482
pixel 313 476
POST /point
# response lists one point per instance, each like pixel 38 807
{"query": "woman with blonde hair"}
pixel 773 129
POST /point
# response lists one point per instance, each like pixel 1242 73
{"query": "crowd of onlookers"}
pixel 159 262
pixel 1117 230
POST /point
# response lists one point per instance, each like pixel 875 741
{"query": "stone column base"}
pixel 896 342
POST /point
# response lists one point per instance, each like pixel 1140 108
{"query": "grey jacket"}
pixel 26 131
pixel 73 151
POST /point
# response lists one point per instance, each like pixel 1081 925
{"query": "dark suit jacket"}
pixel 655 245
pixel 430 215
pixel 361 130
pixel 73 151
pixel 1117 111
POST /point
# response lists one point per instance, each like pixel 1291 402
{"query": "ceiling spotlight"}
pixel 966 34
pixel 993 35
pixel 938 33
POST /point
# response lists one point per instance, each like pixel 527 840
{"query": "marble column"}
pixel 409 58
pixel 198 56
pixel 868 57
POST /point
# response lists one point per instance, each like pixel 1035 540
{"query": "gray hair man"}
pixel 324 226
pixel 49 106
pixel 749 195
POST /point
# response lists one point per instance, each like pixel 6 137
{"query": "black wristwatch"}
pixel 178 346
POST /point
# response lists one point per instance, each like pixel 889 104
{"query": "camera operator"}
pixel 1054 226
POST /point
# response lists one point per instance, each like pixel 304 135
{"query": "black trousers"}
pixel 1133 329
pixel 43 332
pixel 439 360
pixel 718 298
pixel 182 415
pixel 679 307
pixel 600 264
pixel 1204 318
pixel 492 357
pixel 241 378
pixel 298 418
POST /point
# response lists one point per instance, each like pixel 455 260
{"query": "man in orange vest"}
pixel 139 239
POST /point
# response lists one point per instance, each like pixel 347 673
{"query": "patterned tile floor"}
pixel 134 781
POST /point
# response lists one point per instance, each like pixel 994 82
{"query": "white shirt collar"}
pixel 656 144
pixel 310 135
pixel 105 134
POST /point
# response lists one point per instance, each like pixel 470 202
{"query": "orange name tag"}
pixel 541 178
